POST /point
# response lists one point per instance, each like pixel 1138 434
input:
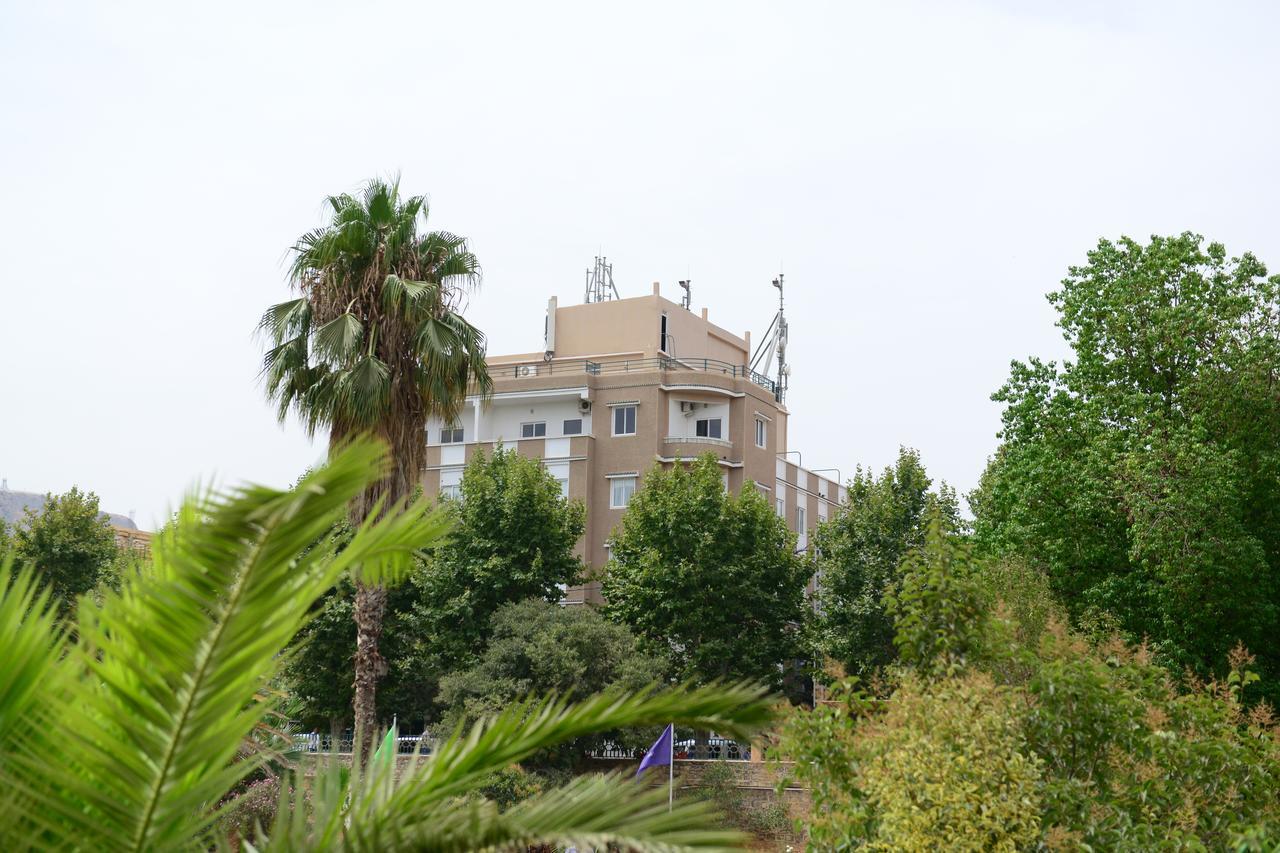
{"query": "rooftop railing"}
pixel 563 367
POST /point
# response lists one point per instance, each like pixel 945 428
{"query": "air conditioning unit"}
pixel 686 406
pixel 528 370
pixel 584 406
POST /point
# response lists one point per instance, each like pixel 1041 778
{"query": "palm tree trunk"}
pixel 407 448
pixel 370 666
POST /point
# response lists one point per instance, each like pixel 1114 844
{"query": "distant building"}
pixel 622 386
pixel 13 507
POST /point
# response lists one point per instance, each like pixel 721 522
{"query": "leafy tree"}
pixel 128 740
pixel 514 539
pixel 938 765
pixel 70 542
pixel 375 344
pixel 708 580
pixel 939 611
pixel 540 648
pixel 1000 737
pixel 1144 475
pixel 860 550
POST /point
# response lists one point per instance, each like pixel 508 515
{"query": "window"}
pixel 620 493
pixel 624 420
pixel 451 435
pixel 662 335
pixel 707 428
pixel 781 505
pixel 800 528
pixel 564 486
pixel 453 492
pixel 537 429
pixel 761 433
pixel 572 427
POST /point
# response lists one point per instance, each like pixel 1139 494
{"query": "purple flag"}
pixel 660 752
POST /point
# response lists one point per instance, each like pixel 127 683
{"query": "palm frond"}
pixel 536 724
pixel 339 339
pixel 172 662
pixel 33 644
pixel 428 805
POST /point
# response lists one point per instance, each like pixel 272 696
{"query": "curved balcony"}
pixel 700 439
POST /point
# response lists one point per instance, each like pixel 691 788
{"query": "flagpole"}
pixel 671 770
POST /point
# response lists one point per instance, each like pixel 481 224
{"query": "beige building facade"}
pixel 624 386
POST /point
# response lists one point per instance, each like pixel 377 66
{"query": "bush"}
pixel 1013 731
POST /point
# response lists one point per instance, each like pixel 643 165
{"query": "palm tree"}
pixel 375 344
pixel 129 738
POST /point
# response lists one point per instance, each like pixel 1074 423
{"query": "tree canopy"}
pixel 539 648
pixel 1144 474
pixel 860 550
pixel 514 539
pixel 68 541
pixel 708 580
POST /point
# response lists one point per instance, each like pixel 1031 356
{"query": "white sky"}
pixel 923 172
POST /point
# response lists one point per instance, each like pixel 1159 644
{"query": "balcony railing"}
pixel 564 367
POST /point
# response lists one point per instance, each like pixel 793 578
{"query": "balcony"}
pixel 580 366
pixel 698 439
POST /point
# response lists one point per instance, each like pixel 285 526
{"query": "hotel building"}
pixel 620 387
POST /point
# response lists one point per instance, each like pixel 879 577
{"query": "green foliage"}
pixel 514 539
pixel 860 550
pixel 1074 744
pixel 69 542
pixel 939 611
pixel 940 765
pixel 131 738
pixel 707 580
pixel 375 341
pixel 540 648
pixel 1144 475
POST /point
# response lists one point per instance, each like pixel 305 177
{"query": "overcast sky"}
pixel 923 173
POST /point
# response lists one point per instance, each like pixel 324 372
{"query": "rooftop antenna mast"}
pixel 600 286
pixel 774 343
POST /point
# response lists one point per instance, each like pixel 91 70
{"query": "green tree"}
pixel 939 610
pixel 859 553
pixel 1003 733
pixel 69 542
pixel 1143 474
pixel 375 344
pixel 708 580
pixel 514 539
pixel 540 648
pixel 131 739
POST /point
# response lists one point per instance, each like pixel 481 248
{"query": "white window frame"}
pixel 452 435
pixel 533 425
pixel 697 425
pixel 564 486
pixel 762 433
pixel 801 519
pixel 619 411
pixel 452 492
pixel 568 421
pixel 614 484
pixel 780 506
